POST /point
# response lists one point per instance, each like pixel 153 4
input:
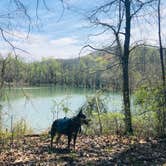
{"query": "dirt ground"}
pixel 90 150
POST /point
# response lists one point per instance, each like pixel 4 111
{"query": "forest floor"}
pixel 90 150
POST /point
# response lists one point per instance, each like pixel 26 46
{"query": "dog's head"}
pixel 83 118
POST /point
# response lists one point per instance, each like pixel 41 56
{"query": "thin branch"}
pixel 111 66
pixel 22 7
pixel 96 49
pixel 36 10
pixel 136 46
pixel 45 5
pixel 62 13
pixel 94 12
pixel 141 5
pixel 144 45
pixel 144 112
pixel 107 25
pixel 14 48
pixel 98 34
pixel 108 67
pixel 116 30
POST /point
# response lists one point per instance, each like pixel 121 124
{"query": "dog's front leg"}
pixel 69 140
pixel 52 138
pixel 74 140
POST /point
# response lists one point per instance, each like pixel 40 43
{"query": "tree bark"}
pixel 125 59
pixel 162 114
pixel 160 45
pixel 126 99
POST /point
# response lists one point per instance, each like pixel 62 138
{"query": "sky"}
pixel 62 32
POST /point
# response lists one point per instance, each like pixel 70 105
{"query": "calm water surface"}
pixel 36 104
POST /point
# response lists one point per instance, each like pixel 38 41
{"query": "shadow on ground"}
pixel 60 150
pixel 148 153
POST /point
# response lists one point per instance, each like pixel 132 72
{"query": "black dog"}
pixel 69 127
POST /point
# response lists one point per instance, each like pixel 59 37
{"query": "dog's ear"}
pixel 80 112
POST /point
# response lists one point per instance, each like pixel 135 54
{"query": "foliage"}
pixel 152 106
pixel 95 105
pixel 150 98
pixel 21 128
pixel 94 71
pixel 111 123
pixel 91 71
pixel 145 125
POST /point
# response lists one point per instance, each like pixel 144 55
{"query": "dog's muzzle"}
pixel 85 121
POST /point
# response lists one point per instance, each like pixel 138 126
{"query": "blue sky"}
pixel 63 36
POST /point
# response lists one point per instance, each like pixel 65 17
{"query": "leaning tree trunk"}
pixel 125 67
pixel 162 112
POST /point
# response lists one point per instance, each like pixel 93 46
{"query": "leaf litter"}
pixel 90 150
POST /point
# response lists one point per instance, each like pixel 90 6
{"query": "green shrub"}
pixel 152 108
pixel 21 128
pixel 111 123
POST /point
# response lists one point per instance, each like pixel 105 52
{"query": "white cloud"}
pixel 40 46
pixel 64 41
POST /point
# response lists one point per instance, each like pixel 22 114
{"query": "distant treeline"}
pixel 92 71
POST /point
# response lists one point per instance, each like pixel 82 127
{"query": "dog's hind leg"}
pixel 52 138
pixel 53 132
pixel 51 141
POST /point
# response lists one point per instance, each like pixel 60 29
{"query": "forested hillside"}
pixel 95 70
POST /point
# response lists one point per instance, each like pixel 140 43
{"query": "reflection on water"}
pixel 35 104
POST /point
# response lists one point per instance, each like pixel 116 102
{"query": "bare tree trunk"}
pixel 160 45
pixel 0 117
pixel 126 99
pixel 2 74
pixel 98 113
pixel 162 114
pixel 125 58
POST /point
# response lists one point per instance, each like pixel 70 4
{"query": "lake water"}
pixel 36 104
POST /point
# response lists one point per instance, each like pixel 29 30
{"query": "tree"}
pixel 121 12
pixel 162 111
pixel 160 44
